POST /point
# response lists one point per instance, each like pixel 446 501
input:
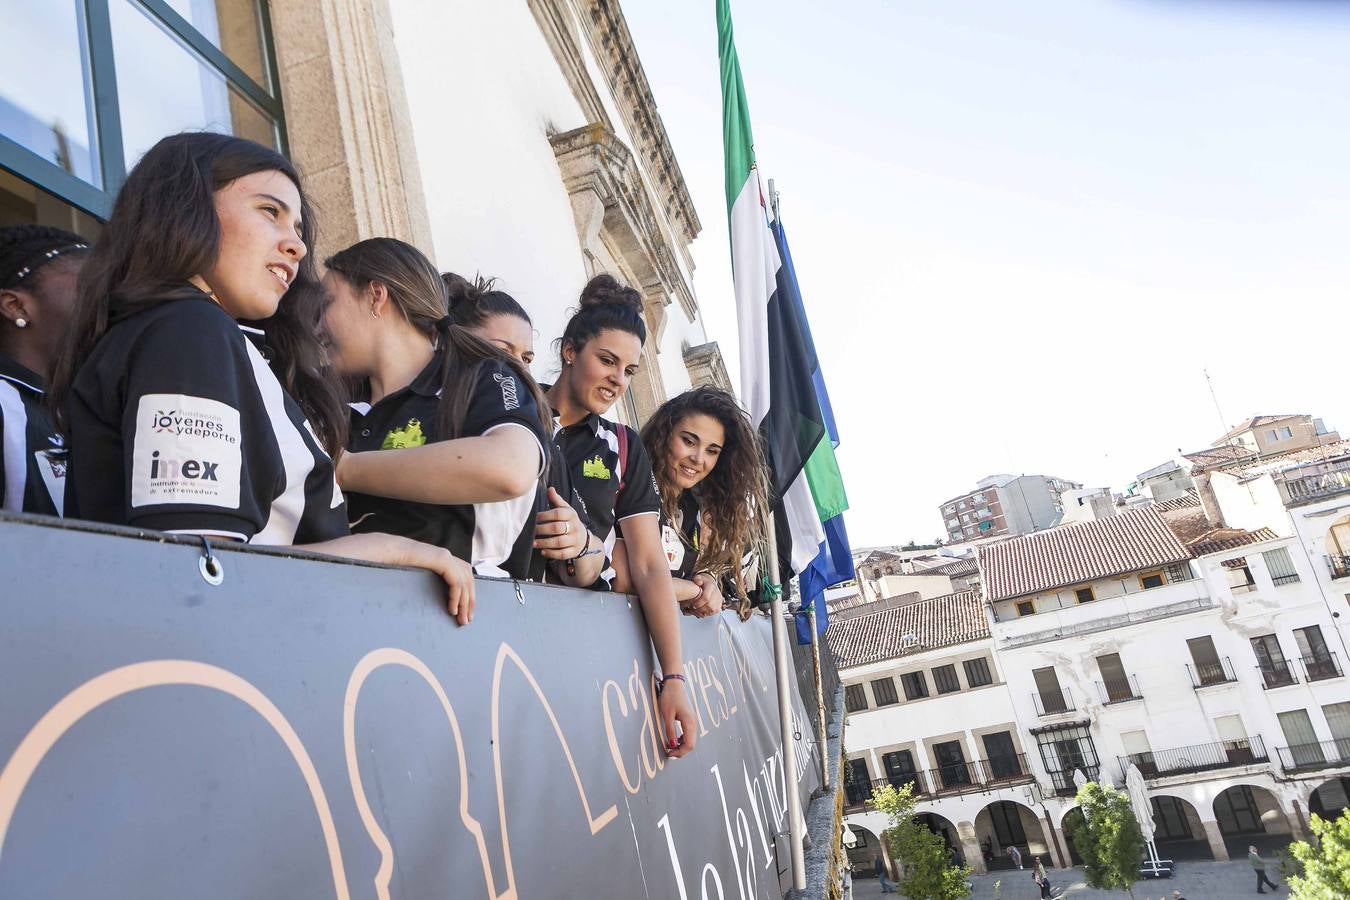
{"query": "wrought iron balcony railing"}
pixel 1339 566
pixel 952 779
pixel 1319 755
pixel 1321 667
pixel 1197 758
pixel 1052 703
pixel 1277 674
pixel 1119 691
pixel 1210 674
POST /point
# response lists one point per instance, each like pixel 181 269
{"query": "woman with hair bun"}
pixel 565 550
pixel 447 443
pixel 190 388
pixel 714 489
pixel 38 267
pixel 601 349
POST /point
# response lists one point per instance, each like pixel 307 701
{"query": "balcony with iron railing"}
pixel 1119 691
pixel 1304 485
pixel 1320 667
pixel 1135 606
pixel 1248 751
pixel 1205 675
pixel 1311 757
pixel 1276 675
pixel 1062 783
pixel 1053 703
pixel 953 779
pixel 1339 566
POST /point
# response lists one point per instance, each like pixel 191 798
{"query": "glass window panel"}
pixel 45 101
pixel 163 88
pixel 22 203
pixel 1338 719
pixel 233 26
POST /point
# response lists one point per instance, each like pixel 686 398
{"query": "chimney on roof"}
pixel 1209 502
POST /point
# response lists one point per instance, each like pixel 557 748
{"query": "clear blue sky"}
pixel 1023 230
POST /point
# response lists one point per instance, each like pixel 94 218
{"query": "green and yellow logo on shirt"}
pixel 409 435
pixel 595 468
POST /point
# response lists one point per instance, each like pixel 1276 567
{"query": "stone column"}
pixel 1215 838
pixel 970 847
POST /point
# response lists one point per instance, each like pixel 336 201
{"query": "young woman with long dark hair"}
pixel 448 443
pixel 600 350
pixel 38 268
pixel 563 541
pixel 713 481
pixel 176 419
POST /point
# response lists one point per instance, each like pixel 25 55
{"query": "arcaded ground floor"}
pixel 1196 880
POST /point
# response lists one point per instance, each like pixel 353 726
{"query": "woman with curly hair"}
pixel 713 481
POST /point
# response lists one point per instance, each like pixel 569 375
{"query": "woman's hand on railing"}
pixel 673 702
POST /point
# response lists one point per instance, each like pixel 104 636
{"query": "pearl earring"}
pixel 22 323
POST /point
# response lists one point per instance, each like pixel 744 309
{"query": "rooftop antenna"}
pixel 1215 397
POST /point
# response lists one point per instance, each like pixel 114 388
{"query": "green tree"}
pixel 925 862
pixel 1326 861
pixel 1108 838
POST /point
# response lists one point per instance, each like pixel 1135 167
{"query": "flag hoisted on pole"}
pixel 781 384
pixel 833 561
pixel 777 356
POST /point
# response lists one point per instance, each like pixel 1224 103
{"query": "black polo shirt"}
pixel 613 489
pixel 32 472
pixel 178 424
pixel 496 538
pixel 680 539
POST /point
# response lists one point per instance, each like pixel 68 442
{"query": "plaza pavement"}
pixel 1196 880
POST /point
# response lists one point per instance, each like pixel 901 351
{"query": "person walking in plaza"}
pixel 1015 855
pixel 1259 865
pixel 1042 880
pixel 886 886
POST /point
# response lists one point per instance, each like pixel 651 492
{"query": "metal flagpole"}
pixel 821 739
pixel 781 664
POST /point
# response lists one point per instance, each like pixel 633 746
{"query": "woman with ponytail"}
pixel 601 349
pixel 447 443
pixel 189 388
pixel 714 489
pixel 565 550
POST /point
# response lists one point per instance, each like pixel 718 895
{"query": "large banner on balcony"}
pixel 320 729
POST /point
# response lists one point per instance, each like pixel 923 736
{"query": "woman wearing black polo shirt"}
pixel 562 536
pixel 38 266
pixel 174 418
pixel 601 348
pixel 714 493
pixel 448 443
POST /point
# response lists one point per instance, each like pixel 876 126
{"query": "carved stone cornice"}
pixel 602 179
pixel 706 366
pixel 607 32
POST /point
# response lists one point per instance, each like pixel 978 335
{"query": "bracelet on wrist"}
pixel 673 676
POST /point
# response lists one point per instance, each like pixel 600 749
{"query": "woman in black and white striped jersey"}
pixel 601 350
pixel 179 415
pixel 447 441
pixel 38 267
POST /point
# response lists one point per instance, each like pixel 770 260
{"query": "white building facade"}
pixel 1208 656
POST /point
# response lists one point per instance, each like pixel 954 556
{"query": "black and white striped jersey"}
pixel 614 486
pixel 178 424
pixel 496 538
pixel 32 471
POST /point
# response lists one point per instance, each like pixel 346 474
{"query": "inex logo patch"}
pixel 186 450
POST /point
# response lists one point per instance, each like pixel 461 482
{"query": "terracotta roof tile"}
pixel 1221 539
pixel 1072 554
pixel 1255 468
pixel 1186 500
pixel 940 622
